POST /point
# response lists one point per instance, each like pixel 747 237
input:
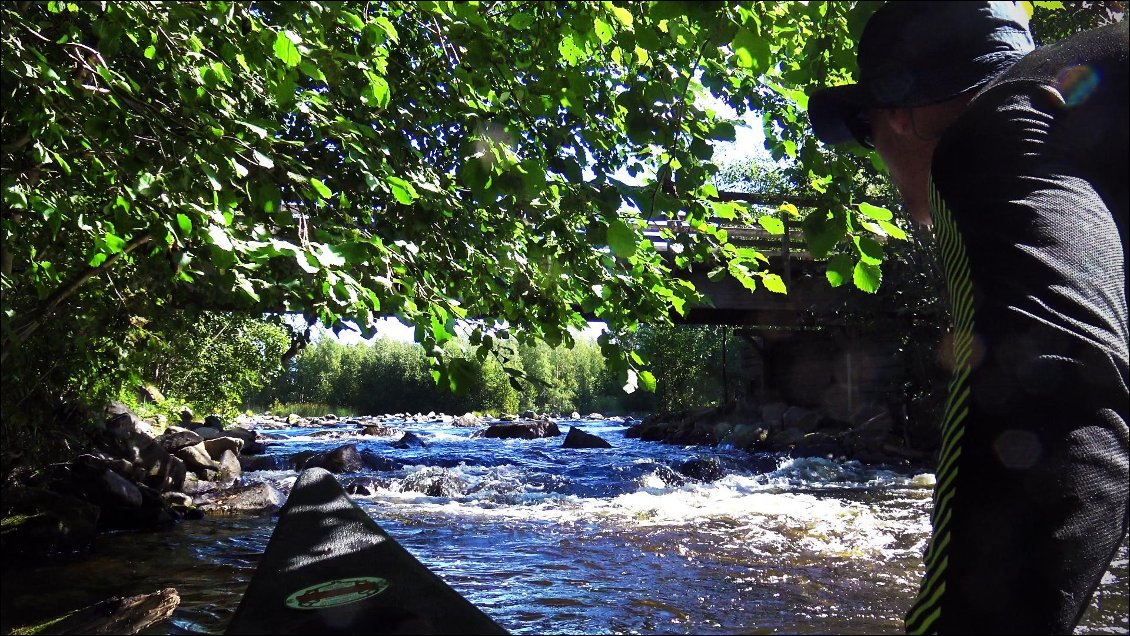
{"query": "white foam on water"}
pixel 737 508
pixel 440 436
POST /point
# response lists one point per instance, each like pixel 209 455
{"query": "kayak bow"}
pixel 330 569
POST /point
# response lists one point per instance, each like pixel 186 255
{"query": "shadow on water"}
pixel 209 561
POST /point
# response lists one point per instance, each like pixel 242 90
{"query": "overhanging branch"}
pixel 51 303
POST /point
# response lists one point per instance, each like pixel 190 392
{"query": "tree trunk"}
pixel 116 615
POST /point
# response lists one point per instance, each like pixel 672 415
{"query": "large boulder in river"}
pixel 208 432
pixel 121 422
pixel 261 498
pixel 251 443
pixel 803 420
pixel 230 468
pixel 161 469
pixel 580 439
pixel 343 459
pixel 532 429
pixel 468 420
pixel 247 435
pixel 113 489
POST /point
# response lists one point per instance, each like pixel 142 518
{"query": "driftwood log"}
pixel 117 615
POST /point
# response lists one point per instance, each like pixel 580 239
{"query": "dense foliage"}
pixel 389 376
pixel 431 160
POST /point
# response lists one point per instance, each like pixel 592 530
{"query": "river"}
pixel 552 540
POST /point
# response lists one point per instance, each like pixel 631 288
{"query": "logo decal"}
pixel 339 592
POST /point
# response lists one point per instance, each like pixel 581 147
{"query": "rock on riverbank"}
pixel 133 480
pixel 871 435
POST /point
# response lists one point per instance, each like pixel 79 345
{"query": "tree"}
pixel 211 360
pixel 430 160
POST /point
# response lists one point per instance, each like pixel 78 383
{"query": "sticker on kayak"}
pixel 337 592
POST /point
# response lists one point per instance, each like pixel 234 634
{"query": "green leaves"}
pixel 321 188
pixel 378 93
pixel 621 239
pixel 772 224
pixel 840 267
pixel 774 283
pixel 569 51
pixel 875 212
pixel 328 257
pixel 882 224
pixel 286 49
pixel 353 20
pixel 262 159
pixel 219 238
pixel 823 230
pixel 647 381
pixel 623 16
pixel 750 50
pixel 867 277
pixel 417 155
pixel 521 21
pixel 402 190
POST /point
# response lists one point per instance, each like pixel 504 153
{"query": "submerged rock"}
pixel 665 476
pixel 378 462
pixel 434 482
pixel 260 462
pixel 703 469
pixel 380 430
pixel 366 486
pixel 409 440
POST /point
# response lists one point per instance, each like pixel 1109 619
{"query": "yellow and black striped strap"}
pixel 927 610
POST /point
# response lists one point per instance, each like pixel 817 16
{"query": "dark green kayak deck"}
pixel 330 569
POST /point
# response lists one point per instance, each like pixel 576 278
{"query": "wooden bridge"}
pixel 809 296
pixel 802 350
